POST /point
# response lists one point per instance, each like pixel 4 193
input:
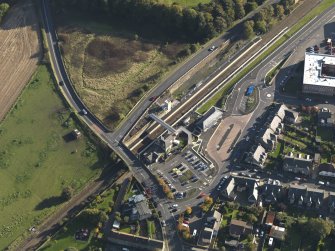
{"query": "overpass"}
pixel 162 123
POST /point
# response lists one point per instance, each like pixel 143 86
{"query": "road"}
pixel 144 103
pixel 191 103
pixel 113 139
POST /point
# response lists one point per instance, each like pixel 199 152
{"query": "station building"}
pixel 319 74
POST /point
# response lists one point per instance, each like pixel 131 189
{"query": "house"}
pixel 279 111
pixel 325 117
pixel 228 189
pixel 277 233
pixel 291 116
pixel 206 237
pixel 258 156
pixel 241 184
pixel 296 194
pixel 270 218
pixel 298 164
pixel 238 228
pixel 209 119
pixel 248 185
pixel 276 125
pixel 211 232
pixel 331 202
pixel 267 138
pixel 272 192
pixel 314 197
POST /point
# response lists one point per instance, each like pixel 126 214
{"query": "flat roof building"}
pixel 210 118
pixel 319 74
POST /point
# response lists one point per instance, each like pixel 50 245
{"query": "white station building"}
pixel 319 74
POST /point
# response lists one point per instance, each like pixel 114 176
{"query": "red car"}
pixel 186 222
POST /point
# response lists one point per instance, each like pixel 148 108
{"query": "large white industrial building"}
pixel 319 74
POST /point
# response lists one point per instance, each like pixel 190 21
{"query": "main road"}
pixel 113 140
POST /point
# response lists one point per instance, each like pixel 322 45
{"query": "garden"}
pixel 85 231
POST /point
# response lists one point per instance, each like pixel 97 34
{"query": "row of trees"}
pixel 178 22
pixel 262 21
pixel 4 7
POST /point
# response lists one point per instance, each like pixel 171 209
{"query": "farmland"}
pixel 38 158
pixel 111 68
pixel 19 45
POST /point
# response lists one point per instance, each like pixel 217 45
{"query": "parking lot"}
pixel 184 172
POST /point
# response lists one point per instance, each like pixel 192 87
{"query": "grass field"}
pixel 38 158
pixel 185 2
pixel 111 68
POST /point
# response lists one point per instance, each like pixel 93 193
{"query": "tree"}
pixel 188 210
pixel 260 26
pixel 67 193
pixel 208 200
pixel 248 31
pixel 126 219
pixel 239 9
pixel 250 6
pixel 279 11
pixel 317 229
pixel 118 216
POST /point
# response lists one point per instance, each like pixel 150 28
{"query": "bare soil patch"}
pixel 20 52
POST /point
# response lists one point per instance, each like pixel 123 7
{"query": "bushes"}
pixel 4 7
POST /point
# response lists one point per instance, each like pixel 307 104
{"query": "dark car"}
pixel 61 83
pixel 153 98
pixel 174 210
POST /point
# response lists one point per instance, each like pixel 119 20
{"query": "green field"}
pixel 185 2
pixel 38 158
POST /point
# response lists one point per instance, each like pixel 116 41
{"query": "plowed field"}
pixel 19 52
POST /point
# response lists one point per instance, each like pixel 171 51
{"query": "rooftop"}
pixel 319 70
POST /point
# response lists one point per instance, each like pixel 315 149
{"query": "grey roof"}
pixel 210 118
pixel 296 191
pixel 315 196
pixel 143 210
pixel 295 163
pixel 272 192
pixel 277 233
pixel 238 228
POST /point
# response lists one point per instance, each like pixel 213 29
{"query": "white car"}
pixel 175 206
pixel 212 48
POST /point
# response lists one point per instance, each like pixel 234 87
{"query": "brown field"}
pixel 111 69
pixel 20 52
